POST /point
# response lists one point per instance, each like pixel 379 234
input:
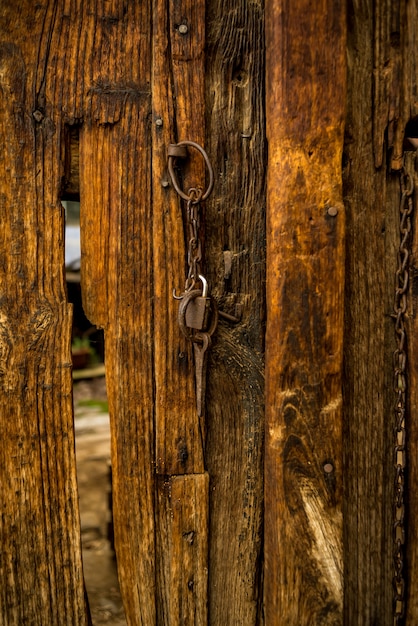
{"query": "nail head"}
pixel 183 29
pixel 38 115
pixel 332 211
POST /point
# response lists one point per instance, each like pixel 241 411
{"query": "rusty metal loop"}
pixel 185 301
pixel 173 176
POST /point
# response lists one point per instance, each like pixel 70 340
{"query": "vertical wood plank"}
pixel 117 280
pixel 378 105
pixel 134 247
pixel 368 388
pixel 182 500
pixel 41 580
pixel 305 286
pixel 121 183
pixel 235 266
pixel 178 105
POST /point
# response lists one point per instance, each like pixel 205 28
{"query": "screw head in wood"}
pixel 183 29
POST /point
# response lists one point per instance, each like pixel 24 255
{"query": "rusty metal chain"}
pixel 194 249
pixel 193 198
pixel 192 292
pixel 400 388
pixel 198 312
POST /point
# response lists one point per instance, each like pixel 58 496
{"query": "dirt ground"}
pixel 93 468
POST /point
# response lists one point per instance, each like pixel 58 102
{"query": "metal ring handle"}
pixel 187 332
pixel 174 180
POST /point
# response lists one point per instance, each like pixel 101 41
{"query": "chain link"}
pixel 194 248
pixel 400 388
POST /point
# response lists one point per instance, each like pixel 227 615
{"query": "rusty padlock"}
pixel 197 311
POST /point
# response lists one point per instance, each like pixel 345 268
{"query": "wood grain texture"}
pixel 393 40
pixel 366 528
pixel 113 98
pixel 182 525
pixel 128 338
pixel 83 77
pixel 41 580
pixel 182 486
pixel 379 105
pixel 235 267
pixel 305 287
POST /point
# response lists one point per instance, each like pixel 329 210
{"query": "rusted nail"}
pixel 328 468
pixel 38 115
pixel 228 256
pixel 231 318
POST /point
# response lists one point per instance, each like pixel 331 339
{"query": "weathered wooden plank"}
pixel 393 37
pixel 379 37
pixel 120 184
pixel 305 285
pixel 178 107
pixel 368 395
pixel 386 77
pixel 128 272
pixel 41 577
pixel 182 526
pixel 235 266
pixel 182 500
pixel 117 265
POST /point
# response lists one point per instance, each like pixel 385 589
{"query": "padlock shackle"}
pixel 205 288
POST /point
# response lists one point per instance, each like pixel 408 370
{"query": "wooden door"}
pixel 130 78
pixel 237 519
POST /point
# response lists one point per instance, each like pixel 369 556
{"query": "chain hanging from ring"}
pixel 400 388
pixel 193 199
